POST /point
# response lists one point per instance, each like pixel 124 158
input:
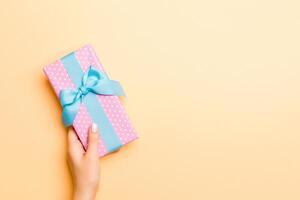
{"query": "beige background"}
pixel 213 89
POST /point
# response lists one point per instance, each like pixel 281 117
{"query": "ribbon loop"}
pixel 93 81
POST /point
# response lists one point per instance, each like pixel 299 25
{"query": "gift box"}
pixel 87 95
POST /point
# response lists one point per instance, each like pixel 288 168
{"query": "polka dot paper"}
pixel 111 105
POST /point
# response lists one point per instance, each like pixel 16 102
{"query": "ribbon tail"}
pixel 69 113
pixel 117 88
pixel 108 87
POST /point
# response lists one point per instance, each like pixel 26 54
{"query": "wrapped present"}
pixel 87 95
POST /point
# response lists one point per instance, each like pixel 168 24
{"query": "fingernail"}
pixel 94 127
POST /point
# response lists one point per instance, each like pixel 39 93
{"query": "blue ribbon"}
pixel 88 85
pixel 93 81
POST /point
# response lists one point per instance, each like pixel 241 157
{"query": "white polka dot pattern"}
pixel 82 123
pixel 87 57
pixel 58 77
pixel 112 106
pixel 118 117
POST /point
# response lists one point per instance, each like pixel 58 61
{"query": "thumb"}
pixel 93 140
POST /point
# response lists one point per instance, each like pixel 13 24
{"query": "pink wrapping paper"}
pixel 112 106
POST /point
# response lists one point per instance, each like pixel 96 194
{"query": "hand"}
pixel 85 166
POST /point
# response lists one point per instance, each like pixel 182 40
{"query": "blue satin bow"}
pixel 93 81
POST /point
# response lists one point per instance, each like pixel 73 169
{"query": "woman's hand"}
pixel 85 166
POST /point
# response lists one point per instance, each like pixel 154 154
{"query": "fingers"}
pixel 75 149
pixel 93 141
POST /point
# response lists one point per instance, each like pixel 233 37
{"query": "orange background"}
pixel 212 86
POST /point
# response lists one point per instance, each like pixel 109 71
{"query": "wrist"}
pixel 83 195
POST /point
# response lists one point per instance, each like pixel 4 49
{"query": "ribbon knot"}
pixel 82 91
pixel 93 82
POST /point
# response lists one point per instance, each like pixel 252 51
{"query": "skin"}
pixel 84 165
